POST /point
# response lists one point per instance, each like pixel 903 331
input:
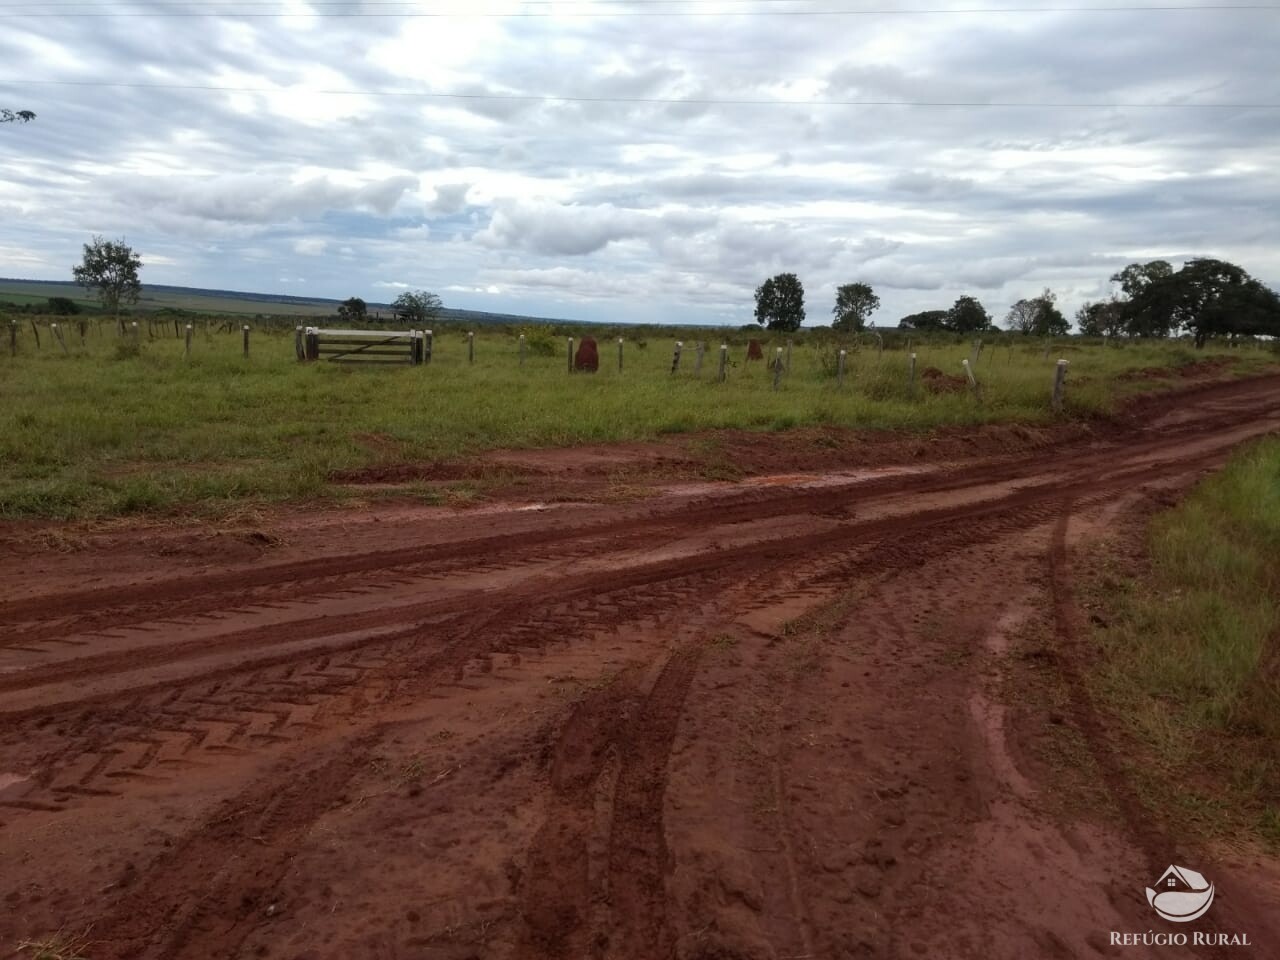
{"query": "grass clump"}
pixel 58 946
pixel 1192 656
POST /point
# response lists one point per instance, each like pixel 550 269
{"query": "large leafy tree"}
pixel 16 116
pixel 925 320
pixel 967 315
pixel 1216 298
pixel 109 269
pixel 1150 300
pixel 780 302
pixel 353 310
pixel 1038 316
pixel 417 306
pixel 855 302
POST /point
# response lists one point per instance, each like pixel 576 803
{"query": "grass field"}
pixel 100 432
pixel 19 292
pixel 1192 655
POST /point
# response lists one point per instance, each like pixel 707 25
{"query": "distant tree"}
pixel 16 116
pixel 1038 316
pixel 1021 317
pixel 1216 298
pixel 925 320
pixel 63 306
pixel 780 302
pixel 1102 319
pixel 353 310
pixel 1149 301
pixel 855 302
pixel 967 315
pixel 417 306
pixel 109 269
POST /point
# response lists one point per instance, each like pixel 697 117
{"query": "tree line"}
pixel 1205 298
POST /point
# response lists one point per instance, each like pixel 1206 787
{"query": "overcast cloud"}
pixel 233 163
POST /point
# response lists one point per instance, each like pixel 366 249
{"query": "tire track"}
pixel 56 615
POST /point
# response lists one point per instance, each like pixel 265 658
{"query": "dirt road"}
pixel 756 720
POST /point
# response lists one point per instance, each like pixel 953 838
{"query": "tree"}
pixel 780 302
pixel 63 306
pixel 110 270
pixel 854 303
pixel 1215 298
pixel 353 310
pixel 967 315
pixel 416 306
pixel 1021 317
pixel 1038 316
pixel 1102 319
pixel 925 320
pixel 1149 300
pixel 16 116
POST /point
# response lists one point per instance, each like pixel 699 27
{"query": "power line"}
pixel 413 10
pixel 659 101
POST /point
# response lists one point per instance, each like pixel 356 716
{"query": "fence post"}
pixel 570 365
pixel 840 369
pixel 977 350
pixel 698 348
pixel 36 331
pixel 186 353
pixel 471 347
pixel 879 346
pixel 724 360
pixel 1048 345
pixel 619 354
pixel 522 349
pixel 911 376
pixel 13 338
pixel 246 341
pixel 1059 384
pixel 83 325
pixel 62 343
pixel 777 369
pixel 788 356
pixel 298 348
pixel 675 357
pixel 973 381
pixel 428 345
pixel 133 329
pixel 176 334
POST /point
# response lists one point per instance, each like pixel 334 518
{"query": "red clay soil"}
pixel 754 720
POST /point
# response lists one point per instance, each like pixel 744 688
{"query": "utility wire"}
pixel 414 11
pixel 661 101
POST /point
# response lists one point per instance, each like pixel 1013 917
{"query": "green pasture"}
pixel 107 429
pixel 1188 658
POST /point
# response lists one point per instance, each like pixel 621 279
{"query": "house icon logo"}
pixel 1180 895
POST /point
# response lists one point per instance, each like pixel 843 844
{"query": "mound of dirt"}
pixel 587 359
pixel 935 381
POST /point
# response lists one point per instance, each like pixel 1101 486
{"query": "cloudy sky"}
pixel 642 160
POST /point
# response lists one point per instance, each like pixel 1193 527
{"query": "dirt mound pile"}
pixel 587 359
pixel 935 381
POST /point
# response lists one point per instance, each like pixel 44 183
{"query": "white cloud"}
pixel 647 209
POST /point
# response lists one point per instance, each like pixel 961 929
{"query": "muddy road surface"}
pixel 745 720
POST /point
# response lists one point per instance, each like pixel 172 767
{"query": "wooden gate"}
pixel 361 346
